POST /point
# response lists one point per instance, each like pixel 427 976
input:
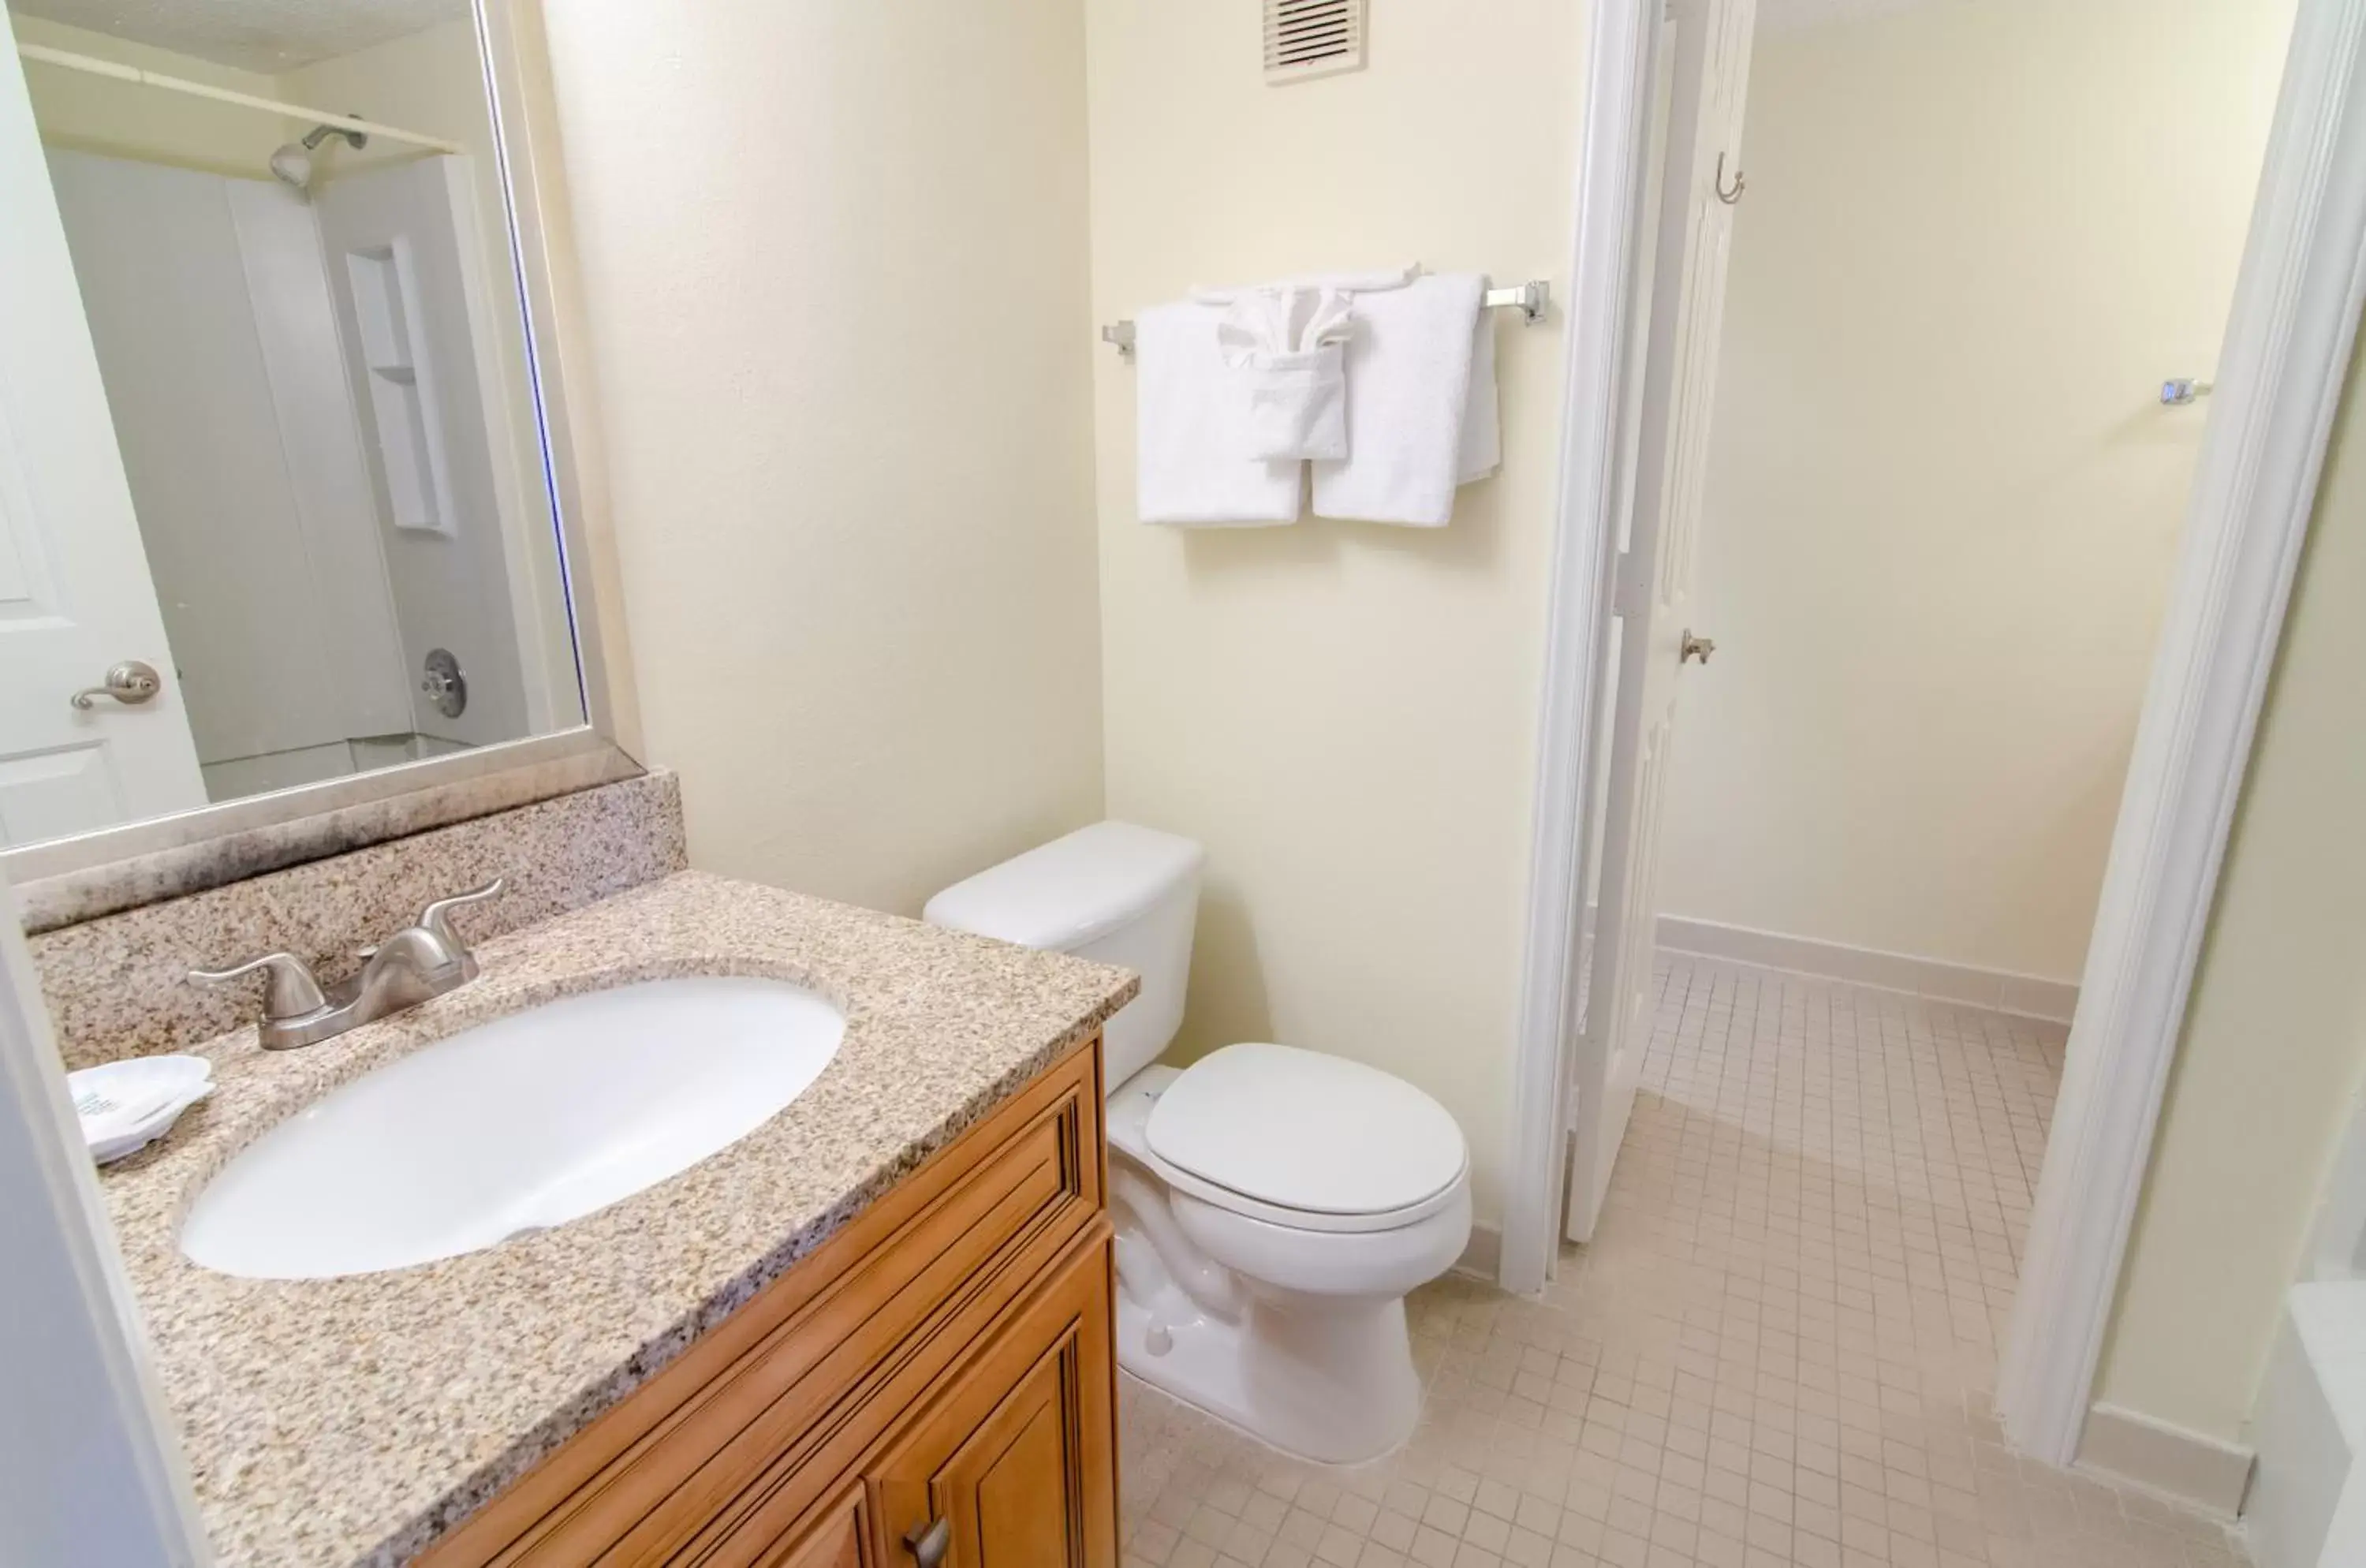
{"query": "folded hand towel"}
pixel 1190 462
pixel 1285 346
pixel 1412 394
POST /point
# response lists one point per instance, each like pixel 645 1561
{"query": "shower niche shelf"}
pixel 404 419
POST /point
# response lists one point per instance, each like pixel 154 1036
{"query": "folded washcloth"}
pixel 1285 346
pixel 1421 405
pixel 1191 462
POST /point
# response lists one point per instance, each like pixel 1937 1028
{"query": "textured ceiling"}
pixel 1786 15
pixel 268 36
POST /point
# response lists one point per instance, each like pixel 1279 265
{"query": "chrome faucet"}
pixel 418 961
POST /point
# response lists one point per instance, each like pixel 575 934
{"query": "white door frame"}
pixel 1600 380
pixel 2286 353
pixel 91 1468
pixel 2280 377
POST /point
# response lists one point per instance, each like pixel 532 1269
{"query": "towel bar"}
pixel 1529 299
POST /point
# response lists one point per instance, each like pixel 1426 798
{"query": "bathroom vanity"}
pixel 874 1331
pixel 934 1385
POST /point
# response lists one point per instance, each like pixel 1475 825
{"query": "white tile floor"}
pixel 1777 1348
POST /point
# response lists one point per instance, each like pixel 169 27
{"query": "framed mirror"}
pixel 287 510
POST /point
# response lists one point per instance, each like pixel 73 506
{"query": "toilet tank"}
pixel 1114 893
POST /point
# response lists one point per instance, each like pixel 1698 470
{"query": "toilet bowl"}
pixel 1273 1205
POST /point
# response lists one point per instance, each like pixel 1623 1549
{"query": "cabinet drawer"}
pixel 784 1377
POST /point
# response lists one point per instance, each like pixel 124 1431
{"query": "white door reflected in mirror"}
pixel 74 591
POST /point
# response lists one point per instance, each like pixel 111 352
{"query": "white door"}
pixel 208 304
pixel 1709 55
pixel 74 594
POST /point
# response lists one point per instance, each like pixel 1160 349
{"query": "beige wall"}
pixel 2268 1076
pixel 834 260
pixel 1342 712
pixel 1943 506
pixel 125 120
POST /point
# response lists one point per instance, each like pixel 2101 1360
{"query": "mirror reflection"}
pixel 286 246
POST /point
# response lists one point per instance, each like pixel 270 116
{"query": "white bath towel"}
pixel 1287 346
pixel 1417 383
pixel 1190 444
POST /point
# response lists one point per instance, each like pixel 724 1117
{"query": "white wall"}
pixel 451 588
pixel 1943 504
pixel 2268 1073
pixel 433 82
pixel 1343 712
pixel 834 263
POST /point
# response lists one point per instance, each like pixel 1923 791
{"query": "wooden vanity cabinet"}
pixel 933 1388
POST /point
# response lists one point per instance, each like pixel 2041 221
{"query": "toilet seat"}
pixel 1295 1138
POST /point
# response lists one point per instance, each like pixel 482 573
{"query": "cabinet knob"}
pixel 928 1541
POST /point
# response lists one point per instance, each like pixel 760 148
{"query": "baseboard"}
pixel 1998 990
pixel 1482 1256
pixel 2198 1470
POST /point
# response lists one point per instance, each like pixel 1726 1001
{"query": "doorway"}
pixel 2219 596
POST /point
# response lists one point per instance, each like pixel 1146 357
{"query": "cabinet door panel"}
pixel 1012 1490
pixel 1018 1453
pixel 835 1541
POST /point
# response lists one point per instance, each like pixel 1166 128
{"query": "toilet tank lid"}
pixel 1066 893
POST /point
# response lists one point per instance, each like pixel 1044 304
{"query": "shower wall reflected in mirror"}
pixel 280 237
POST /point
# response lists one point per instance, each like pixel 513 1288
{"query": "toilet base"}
pixel 1331 1381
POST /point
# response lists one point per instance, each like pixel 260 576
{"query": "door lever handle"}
pixel 131 683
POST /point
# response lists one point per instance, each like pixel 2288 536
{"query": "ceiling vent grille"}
pixel 1305 39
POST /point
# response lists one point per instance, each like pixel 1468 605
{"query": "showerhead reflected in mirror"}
pixel 293 162
pixel 280 293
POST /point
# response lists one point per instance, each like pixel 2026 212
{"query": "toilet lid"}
pixel 1304 1131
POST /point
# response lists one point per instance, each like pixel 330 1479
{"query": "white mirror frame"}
pixel 63 880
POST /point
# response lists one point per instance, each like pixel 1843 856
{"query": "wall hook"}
pixel 1723 195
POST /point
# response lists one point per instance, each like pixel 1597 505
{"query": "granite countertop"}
pixel 354 1420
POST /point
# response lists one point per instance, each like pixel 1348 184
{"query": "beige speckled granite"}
pixel 117 987
pixel 354 1420
pixel 47 900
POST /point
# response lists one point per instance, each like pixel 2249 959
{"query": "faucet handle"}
pixel 436 919
pixel 291 991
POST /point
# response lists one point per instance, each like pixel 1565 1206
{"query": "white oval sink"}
pixel 514 1125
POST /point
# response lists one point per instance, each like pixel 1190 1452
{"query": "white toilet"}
pixel 1273 1205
